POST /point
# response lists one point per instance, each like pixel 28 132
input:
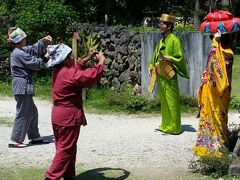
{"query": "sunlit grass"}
pixel 5 121
pixel 236 77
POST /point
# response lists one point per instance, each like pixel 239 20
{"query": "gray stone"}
pixel 120 68
pixel 108 61
pixel 116 84
pixel 234 168
pixel 124 76
pixel 113 38
pixel 122 49
pixel 105 42
pixel 137 90
pixel 112 47
pixel 115 73
pixel 136 39
pixel 124 39
pixel 131 66
pixel 236 149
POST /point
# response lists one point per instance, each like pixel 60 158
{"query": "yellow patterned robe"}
pixel 213 101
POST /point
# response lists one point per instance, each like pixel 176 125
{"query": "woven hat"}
pixel 222 21
pixel 168 18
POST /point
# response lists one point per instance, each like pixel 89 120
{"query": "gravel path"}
pixel 115 141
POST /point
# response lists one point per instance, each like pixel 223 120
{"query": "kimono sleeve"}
pixel 36 49
pixel 151 65
pixel 177 56
pixel 88 77
pixel 31 62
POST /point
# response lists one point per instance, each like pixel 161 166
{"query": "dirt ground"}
pixel 129 142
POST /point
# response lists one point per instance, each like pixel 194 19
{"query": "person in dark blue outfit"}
pixel 23 61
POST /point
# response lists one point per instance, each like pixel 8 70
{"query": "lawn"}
pixel 236 77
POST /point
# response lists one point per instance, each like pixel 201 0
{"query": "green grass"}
pixel 236 77
pixel 5 89
pixel 5 121
pixel 33 173
pixel 105 173
pixel 43 92
pixel 21 174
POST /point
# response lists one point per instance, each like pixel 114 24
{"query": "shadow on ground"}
pixel 50 138
pixel 188 128
pixel 103 174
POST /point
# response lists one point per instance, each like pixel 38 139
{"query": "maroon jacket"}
pixel 67 85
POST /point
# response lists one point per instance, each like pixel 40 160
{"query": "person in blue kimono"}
pixel 23 61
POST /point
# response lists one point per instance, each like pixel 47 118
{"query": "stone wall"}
pixel 123 54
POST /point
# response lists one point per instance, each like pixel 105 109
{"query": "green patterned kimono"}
pixel 168 89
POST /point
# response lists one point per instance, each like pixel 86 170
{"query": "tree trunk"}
pixel 196 15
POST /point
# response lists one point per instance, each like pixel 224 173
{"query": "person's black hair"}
pixel 226 40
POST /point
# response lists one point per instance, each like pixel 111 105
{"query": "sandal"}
pixel 42 141
pixel 17 145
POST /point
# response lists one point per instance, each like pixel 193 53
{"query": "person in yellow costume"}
pixel 169 50
pixel 214 98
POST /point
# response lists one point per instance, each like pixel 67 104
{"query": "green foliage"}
pixel 4 53
pixel 141 29
pixel 235 77
pixel 217 166
pixel 4 16
pixel 88 42
pixel 182 27
pixel 21 173
pixel 107 99
pixel 6 121
pixel 235 103
pixel 43 87
pixel 179 27
pixel 5 75
pixel 188 100
pixel 211 165
pixel 40 18
pixel 5 88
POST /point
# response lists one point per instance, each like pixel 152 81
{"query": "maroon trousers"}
pixel 63 164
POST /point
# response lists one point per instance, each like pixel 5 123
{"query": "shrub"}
pixel 182 27
pixel 5 75
pixel 105 98
pixel 188 100
pixel 141 29
pixel 235 103
pixel 211 165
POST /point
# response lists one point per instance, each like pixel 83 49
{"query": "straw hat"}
pixel 168 18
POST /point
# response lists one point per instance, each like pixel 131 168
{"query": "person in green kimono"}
pixel 170 50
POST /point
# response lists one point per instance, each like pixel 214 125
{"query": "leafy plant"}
pixel 141 29
pixel 211 165
pixel 188 100
pixel 87 43
pixel 40 18
pixel 182 27
pixel 235 103
pixel 123 100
